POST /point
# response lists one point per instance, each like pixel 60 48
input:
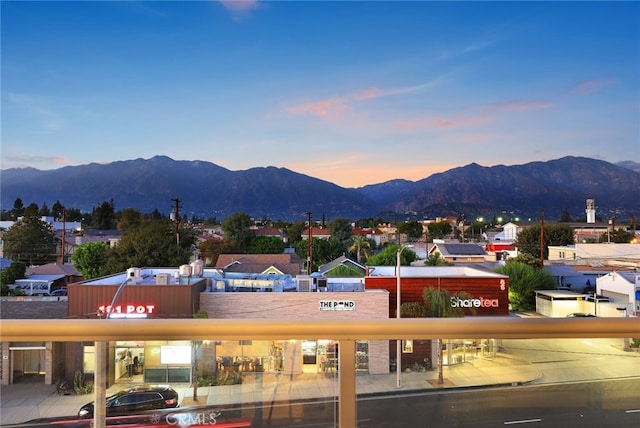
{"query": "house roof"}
pixel 459 250
pixel 53 269
pixel 257 263
pixel 268 231
pixel 342 260
pixel 318 232
pixel 367 232
pixel 608 251
pixel 48 278
pixel 561 270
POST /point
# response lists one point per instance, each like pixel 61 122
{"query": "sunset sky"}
pixel 354 93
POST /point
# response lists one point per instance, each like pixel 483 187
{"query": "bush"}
pixel 80 385
pixel 221 378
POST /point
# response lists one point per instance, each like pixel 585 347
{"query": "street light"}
pixel 100 374
pixel 398 341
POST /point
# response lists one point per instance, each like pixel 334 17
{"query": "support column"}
pixel 347 380
pixel 100 386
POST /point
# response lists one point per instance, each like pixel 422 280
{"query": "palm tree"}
pixel 436 303
pixel 360 245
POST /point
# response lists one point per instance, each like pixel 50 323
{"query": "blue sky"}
pixel 353 93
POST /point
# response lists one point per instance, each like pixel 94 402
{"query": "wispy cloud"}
pixel 38 107
pixel 442 123
pixel 333 108
pixel 329 108
pixel 589 86
pixel 519 105
pixel 23 160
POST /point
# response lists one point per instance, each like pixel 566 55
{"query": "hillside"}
pixel 208 190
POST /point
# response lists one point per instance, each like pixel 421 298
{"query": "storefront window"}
pixel 362 355
pixel 89 362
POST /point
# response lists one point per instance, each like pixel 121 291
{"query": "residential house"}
pixel 281 264
pixel 623 291
pixel 374 234
pixel 459 252
pixel 343 266
pixel 316 232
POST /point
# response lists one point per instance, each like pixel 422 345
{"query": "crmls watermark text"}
pixel 457 302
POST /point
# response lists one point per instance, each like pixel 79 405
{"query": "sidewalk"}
pixel 23 402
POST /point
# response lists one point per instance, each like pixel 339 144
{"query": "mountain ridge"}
pixel 207 189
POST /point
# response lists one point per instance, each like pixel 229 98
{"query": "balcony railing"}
pixel 102 331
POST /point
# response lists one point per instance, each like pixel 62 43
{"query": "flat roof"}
pixel 433 272
pixel 560 293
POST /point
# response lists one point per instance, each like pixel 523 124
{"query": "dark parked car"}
pixel 135 400
pixel 579 314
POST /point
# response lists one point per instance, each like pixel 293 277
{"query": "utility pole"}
pixel 542 239
pixel 175 214
pixel 309 244
pixel 64 235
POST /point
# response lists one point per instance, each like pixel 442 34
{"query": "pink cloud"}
pixel 239 6
pixel 333 107
pixel 589 86
pixel 329 108
pixel 368 94
pixel 425 124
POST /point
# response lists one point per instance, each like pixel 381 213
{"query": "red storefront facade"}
pixel 489 297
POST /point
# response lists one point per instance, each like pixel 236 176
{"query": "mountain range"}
pixel 208 190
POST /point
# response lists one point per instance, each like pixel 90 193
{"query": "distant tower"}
pixel 591 211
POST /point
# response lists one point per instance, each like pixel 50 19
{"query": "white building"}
pixel 623 291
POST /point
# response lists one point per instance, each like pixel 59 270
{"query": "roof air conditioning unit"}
pixel 163 279
pixel 304 284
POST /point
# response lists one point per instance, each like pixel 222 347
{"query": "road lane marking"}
pixel 632 411
pixel 524 421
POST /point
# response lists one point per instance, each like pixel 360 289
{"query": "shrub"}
pixel 80 385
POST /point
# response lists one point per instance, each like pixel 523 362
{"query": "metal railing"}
pixel 345 333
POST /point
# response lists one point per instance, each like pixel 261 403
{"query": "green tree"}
pixel 476 229
pixel 18 209
pixel 528 240
pixel 30 240
pixel 44 210
pixel 56 210
pixel 103 217
pixel 565 217
pixel 32 210
pixel 237 228
pixel 152 243
pixel 341 230
pixel 265 245
pixel 129 217
pixel 294 233
pixel 8 276
pixel 619 236
pixel 388 256
pixel 434 259
pixel 90 258
pixel 439 230
pixel 323 251
pixel 210 250
pixel 524 280
pixel 412 229
pixel 436 303
pixel 361 247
